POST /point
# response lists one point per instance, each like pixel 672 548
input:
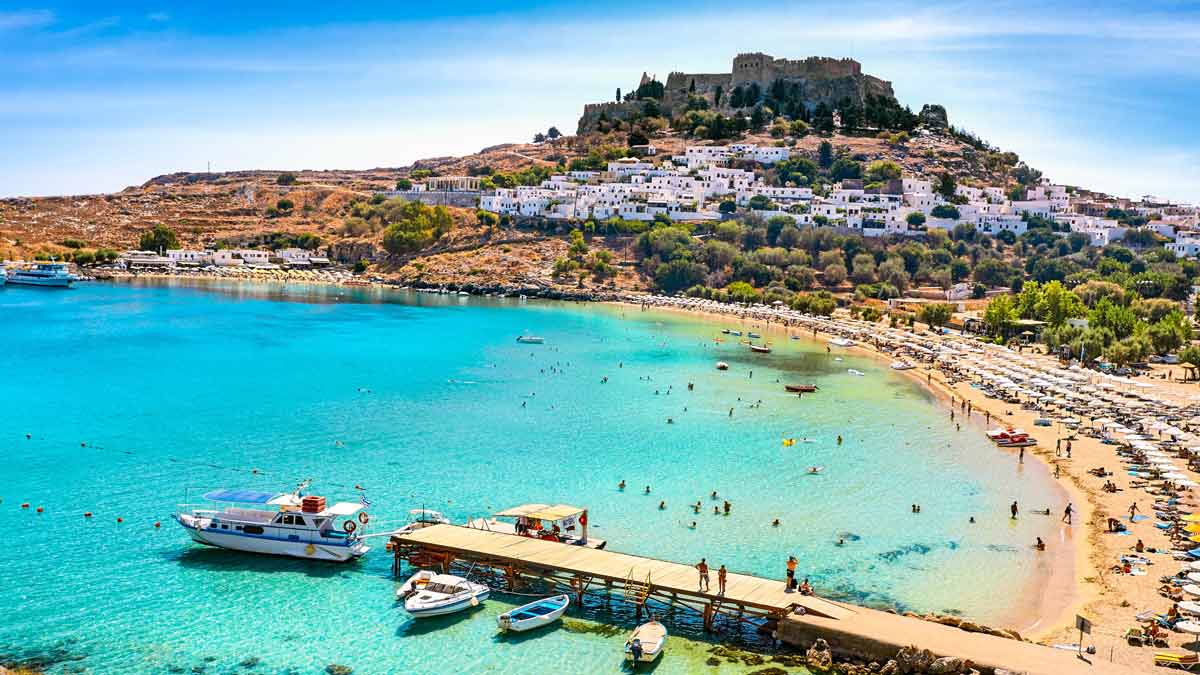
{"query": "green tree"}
pixel 825 154
pixel 727 206
pixel 834 274
pixel 285 179
pixel 945 211
pixel 676 275
pixel 413 226
pixel 946 185
pixel 160 238
pixel 553 133
pixel 915 219
pixel 1057 304
pixel 1171 332
pixel 403 184
pixel 936 314
pixel 1107 314
pixel 1000 314
pixel 882 169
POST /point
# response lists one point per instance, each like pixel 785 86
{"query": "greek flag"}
pixel 363 498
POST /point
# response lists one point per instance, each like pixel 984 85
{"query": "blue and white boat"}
pixel 52 275
pixel 291 524
pixel 534 615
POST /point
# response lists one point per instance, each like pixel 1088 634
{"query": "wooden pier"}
pixel 579 569
pixel 851 631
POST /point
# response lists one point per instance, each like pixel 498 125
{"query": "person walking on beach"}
pixel 1068 449
pixel 721 574
pixel 1133 509
pixel 1057 447
pixel 1067 514
pixel 1014 510
pixel 702 567
pixel 791 572
pixel 1021 457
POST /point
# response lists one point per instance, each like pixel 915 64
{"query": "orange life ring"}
pixel 349 526
pixel 363 517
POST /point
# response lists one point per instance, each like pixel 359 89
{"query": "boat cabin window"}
pixel 319 522
pixel 299 520
pixel 253 529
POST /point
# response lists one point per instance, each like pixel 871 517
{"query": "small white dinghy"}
pixel 427 593
pixel 534 615
pixel 842 342
pixel 646 643
pixel 856 373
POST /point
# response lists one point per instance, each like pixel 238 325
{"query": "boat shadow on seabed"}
pixel 224 560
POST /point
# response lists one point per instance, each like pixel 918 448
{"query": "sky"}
pixel 95 97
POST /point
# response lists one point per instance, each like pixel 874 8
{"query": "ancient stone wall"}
pixel 611 109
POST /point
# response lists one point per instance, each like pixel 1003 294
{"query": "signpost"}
pixel 1084 626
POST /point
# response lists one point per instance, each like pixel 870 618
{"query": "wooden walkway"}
pixel 579 566
pixel 851 631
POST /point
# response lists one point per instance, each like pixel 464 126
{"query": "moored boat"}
pixel 853 371
pixel 49 275
pixel 427 593
pixel 296 525
pixel 842 342
pixel 531 339
pixel 800 388
pixel 422 518
pixel 902 365
pixel 646 643
pixel 754 335
pixel 761 349
pixel 721 365
pixel 534 615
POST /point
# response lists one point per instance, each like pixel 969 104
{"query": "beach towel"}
pixel 1139 518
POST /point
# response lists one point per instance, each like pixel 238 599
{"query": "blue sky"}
pixel 95 98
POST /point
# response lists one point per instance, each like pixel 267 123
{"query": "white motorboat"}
pixel 857 373
pixel 295 525
pixel 842 342
pixel 50 275
pixel 902 365
pixel 428 593
pixel 534 615
pixel 422 518
pixel 646 643
pixel 531 339
pixel 721 365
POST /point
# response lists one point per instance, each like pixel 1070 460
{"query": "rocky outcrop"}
pixel 933 117
pixel 594 113
pixel 819 657
pixel 911 659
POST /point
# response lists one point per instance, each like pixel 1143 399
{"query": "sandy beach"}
pixel 1077 577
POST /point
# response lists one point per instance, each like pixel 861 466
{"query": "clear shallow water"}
pixel 177 387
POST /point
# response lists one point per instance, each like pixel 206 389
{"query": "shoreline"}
pixel 1066 596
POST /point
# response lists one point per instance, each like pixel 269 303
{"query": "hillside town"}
pixel 709 181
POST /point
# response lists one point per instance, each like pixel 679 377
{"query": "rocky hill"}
pixel 249 207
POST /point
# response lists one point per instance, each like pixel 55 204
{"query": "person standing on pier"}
pixel 791 572
pixel 1067 513
pixel 721 574
pixel 1013 508
pixel 702 567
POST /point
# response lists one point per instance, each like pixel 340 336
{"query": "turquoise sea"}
pixel 133 393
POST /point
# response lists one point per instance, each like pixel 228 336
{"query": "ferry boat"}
pixel 52 274
pixel 292 524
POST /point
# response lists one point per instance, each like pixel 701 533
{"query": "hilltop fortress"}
pixel 820 79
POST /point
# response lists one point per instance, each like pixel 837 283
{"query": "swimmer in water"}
pixel 662 505
pixel 841 542
pixel 775 523
pixel 714 494
pixel 621 485
pixel 647 489
pixel 716 510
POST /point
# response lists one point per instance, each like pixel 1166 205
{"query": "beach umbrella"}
pixel 1194 527
pixel 1191 627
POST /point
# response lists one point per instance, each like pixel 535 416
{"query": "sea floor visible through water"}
pixel 134 394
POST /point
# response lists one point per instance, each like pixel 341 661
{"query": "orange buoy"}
pixel 40 509
pixel 87 514
pixel 25 505
pixel 157 524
